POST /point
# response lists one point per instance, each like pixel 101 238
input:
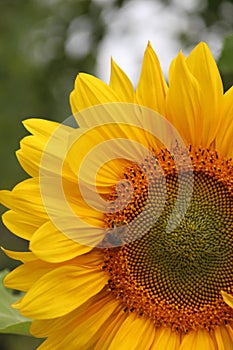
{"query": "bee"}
pixel 116 236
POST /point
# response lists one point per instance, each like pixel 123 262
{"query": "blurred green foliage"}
pixel 11 321
pixel 226 62
pixel 38 68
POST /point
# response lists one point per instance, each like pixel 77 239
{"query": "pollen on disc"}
pixel 175 278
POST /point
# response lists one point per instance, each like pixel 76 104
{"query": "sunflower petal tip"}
pixel 179 60
pixel 26 123
pixel 201 48
pixel 83 76
pixel 3 194
pixel 16 305
pixel 149 48
pixel 180 54
pixel 203 44
pixel 113 62
pixel 78 80
pixel 18 153
pixel 227 298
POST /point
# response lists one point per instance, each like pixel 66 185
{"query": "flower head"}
pixel 129 216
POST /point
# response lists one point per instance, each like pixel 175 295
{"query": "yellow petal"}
pixel 224 140
pixel 227 298
pixel 135 334
pixel 51 245
pixel 45 328
pixel 96 147
pixel 152 87
pixel 61 291
pixel 112 328
pixel 74 334
pixel 92 259
pixel 165 339
pixel 120 121
pixel 90 91
pixel 68 211
pixel 183 102
pixel 130 139
pixel 24 276
pixel 224 337
pixel 120 83
pixel 40 127
pixel 30 153
pixel 204 68
pixel 44 198
pixel 22 256
pixel 25 198
pixel 20 225
pixel 32 147
pixel 199 339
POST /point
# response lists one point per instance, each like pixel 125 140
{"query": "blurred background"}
pixel 44 44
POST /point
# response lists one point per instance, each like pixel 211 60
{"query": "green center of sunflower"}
pixel 176 277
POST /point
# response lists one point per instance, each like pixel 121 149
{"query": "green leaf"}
pixel 10 319
pixel 225 61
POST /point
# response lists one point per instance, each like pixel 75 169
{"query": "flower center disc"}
pixel 176 277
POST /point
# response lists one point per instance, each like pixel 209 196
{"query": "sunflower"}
pixel 129 216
